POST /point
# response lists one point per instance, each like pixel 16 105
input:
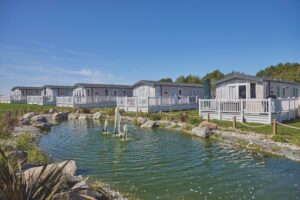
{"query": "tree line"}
pixel 287 71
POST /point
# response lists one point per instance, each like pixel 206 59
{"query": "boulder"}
pixel 82 117
pixel 51 111
pixel 24 121
pixel 141 120
pixel 201 132
pixel 28 115
pixel 73 116
pixel 211 126
pixel 39 118
pixel 59 116
pixel 22 155
pixel 80 185
pixel 42 125
pixel 97 115
pixel 33 173
pixel 149 124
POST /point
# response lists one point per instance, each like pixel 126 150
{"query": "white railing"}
pixel 64 101
pixel 144 103
pixel 5 99
pixel 91 101
pixel 249 106
pixel 40 100
pixel 18 98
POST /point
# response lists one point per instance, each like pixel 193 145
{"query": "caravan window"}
pixel 115 93
pixel 252 90
pixel 106 92
pixel 180 92
pixel 278 91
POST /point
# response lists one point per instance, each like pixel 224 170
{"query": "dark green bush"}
pixel 279 138
pixel 194 121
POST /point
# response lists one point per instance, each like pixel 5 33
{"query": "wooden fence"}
pixel 251 110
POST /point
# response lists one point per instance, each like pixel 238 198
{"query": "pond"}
pixel 164 164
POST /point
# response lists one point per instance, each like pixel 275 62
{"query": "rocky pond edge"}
pixel 37 124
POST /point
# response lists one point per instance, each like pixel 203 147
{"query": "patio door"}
pixel 232 92
pixel 242 92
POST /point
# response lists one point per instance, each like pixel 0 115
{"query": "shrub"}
pixel 194 121
pixel 85 111
pixel 36 156
pixel 183 117
pixel 155 116
pixel 279 138
pixel 24 141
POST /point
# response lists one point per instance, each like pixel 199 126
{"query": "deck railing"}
pixel 146 103
pixel 5 99
pixel 41 100
pixel 89 101
pixel 249 106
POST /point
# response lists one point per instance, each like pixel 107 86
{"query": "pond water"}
pixel 164 164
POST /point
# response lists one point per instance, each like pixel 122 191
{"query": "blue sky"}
pixel 64 42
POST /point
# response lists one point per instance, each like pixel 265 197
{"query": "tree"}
pixel 167 80
pixel 287 71
pixel 192 79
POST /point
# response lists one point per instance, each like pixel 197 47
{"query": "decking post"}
pixel 200 113
pixel 274 127
pixel 295 109
pixel 270 110
pixel 242 110
pixel 136 104
pixel 234 122
pixel 126 101
pixel 170 102
pixel 219 109
pixel 289 100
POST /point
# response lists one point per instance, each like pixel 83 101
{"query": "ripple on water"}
pixel 169 165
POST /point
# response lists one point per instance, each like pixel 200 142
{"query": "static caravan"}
pixel 164 89
pixel 49 93
pixel 154 96
pixel 95 95
pixel 242 86
pixel 19 94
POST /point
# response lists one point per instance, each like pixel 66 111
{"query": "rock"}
pixel 42 125
pixel 33 173
pixel 73 116
pixel 24 121
pixel 51 111
pixel 39 118
pixel 211 126
pixel 141 120
pixel 22 155
pixel 80 185
pixel 82 117
pixel 201 132
pixel 19 130
pixel 28 115
pixel 149 124
pixel 59 116
pixel 97 115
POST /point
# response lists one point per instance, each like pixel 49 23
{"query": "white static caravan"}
pixel 87 95
pixel 19 94
pixel 154 96
pixel 49 93
pixel 252 99
pixel 242 86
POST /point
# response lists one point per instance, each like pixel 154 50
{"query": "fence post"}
pixel 200 113
pixel 242 110
pixel 234 122
pixel 208 117
pixel 219 109
pixel 274 127
pixel 289 100
pixel 270 110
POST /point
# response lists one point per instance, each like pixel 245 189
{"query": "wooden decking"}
pixel 41 100
pixel 250 110
pixel 156 104
pixel 13 99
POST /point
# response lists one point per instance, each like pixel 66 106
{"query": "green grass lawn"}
pixel 22 108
